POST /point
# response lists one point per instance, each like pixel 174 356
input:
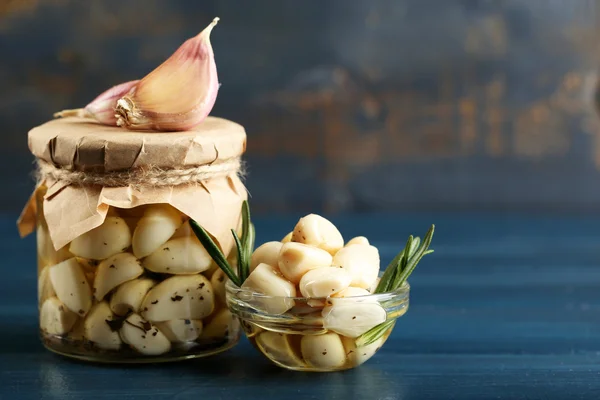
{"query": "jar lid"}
pixel 79 144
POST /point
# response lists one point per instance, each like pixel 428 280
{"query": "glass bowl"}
pixel 315 334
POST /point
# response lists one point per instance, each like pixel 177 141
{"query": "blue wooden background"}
pixel 350 105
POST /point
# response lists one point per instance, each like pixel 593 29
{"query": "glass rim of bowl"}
pixel 401 292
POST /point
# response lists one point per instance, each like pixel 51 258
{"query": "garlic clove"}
pixel 179 297
pixel 266 280
pixel 218 281
pixel 181 330
pixel 129 296
pixel 221 325
pixel 114 271
pixel 179 94
pixel 183 255
pixel 324 281
pixel 317 231
pixel 323 351
pixel 296 259
pixel 361 262
pixel 108 239
pixel 359 355
pixel 352 319
pixel 45 289
pixel 159 223
pixel 56 318
pixel 266 253
pixel 71 286
pixel 279 348
pixel 99 328
pixel 358 240
pixel 102 108
pixel 144 337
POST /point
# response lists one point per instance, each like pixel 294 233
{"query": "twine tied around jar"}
pixel 146 176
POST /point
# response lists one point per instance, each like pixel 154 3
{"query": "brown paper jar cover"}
pixel 77 144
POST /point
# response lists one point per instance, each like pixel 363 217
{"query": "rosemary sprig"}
pixel 396 273
pixel 244 247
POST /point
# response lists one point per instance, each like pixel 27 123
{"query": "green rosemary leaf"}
pixel 389 273
pixel 394 277
pixel 414 246
pixel 241 255
pixel 419 254
pixel 373 334
pixel 245 222
pixel 409 249
pixel 214 251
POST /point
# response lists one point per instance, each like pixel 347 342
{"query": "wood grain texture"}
pixel 506 308
pixel 381 104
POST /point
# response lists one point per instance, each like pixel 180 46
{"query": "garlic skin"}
pixel 179 94
pixel 102 108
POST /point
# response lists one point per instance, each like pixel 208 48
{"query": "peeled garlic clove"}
pixel 267 253
pixel 144 337
pixel 317 231
pixel 108 239
pixel 324 281
pixel 218 281
pixel 352 319
pixel 102 108
pixel 159 223
pixel 46 251
pixel 45 289
pixel 179 297
pixel 361 262
pixel 221 325
pixel 179 256
pixel 114 271
pixel 323 351
pixel 129 296
pixel 358 240
pixel 296 259
pixel 101 328
pixel 359 355
pixel 71 286
pixel 266 280
pixel 278 347
pixel 181 330
pixel 179 94
pixel 287 238
pixel 55 317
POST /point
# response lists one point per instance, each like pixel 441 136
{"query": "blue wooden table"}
pixel 507 308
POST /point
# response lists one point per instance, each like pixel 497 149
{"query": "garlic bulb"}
pixel 179 94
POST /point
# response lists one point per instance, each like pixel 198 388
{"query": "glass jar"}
pixel 100 301
pixel 121 275
pixel 316 334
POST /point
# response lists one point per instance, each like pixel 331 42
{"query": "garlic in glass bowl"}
pixel 311 302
